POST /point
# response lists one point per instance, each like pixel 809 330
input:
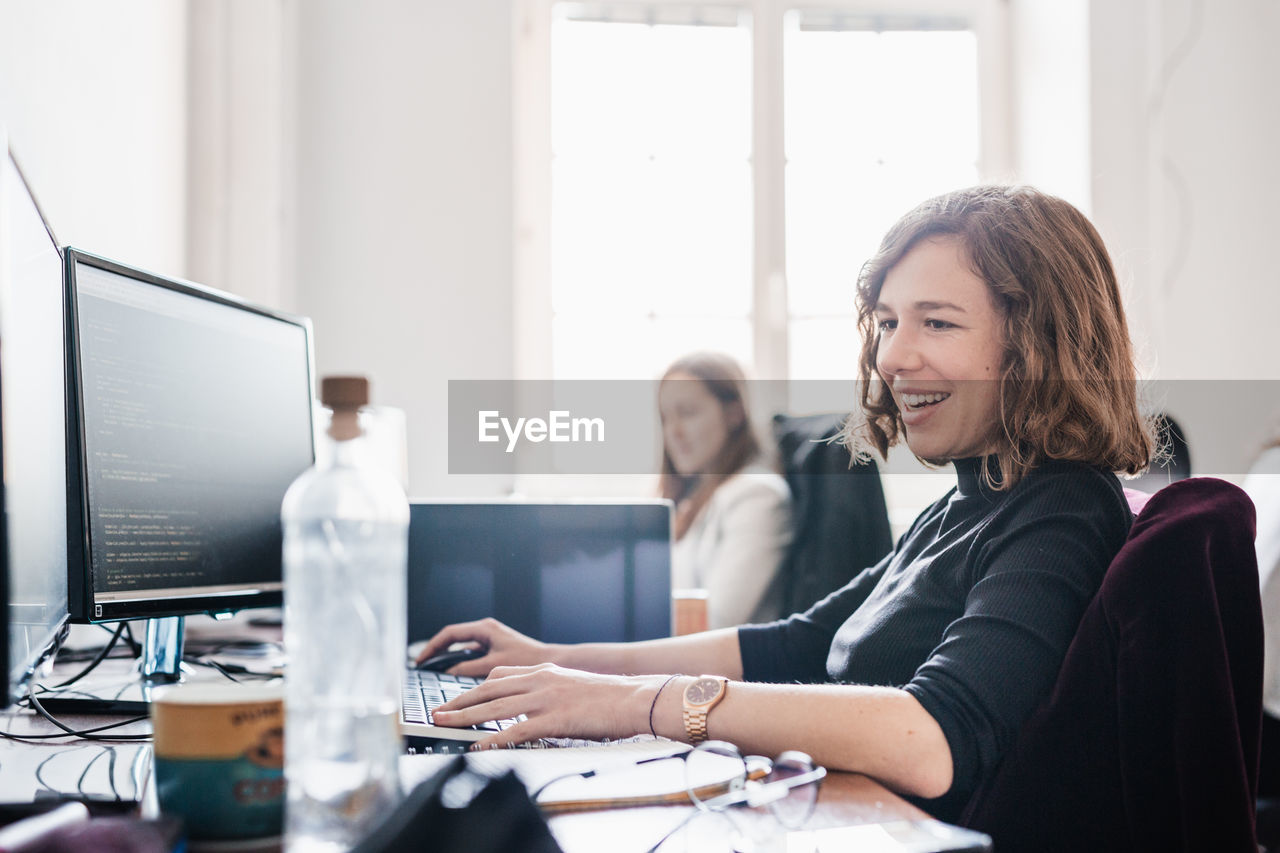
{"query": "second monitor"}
pixel 559 572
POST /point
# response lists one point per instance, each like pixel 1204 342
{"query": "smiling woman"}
pixel 996 342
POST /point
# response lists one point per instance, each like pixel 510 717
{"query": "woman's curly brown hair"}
pixel 1068 384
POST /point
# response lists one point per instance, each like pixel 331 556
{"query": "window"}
pixel 875 123
pixel 713 176
pixel 650 194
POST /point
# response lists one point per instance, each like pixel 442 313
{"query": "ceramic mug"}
pixel 219 753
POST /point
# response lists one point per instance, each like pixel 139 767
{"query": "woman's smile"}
pixel 940 351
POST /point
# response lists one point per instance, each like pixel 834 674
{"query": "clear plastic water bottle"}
pixel 346 525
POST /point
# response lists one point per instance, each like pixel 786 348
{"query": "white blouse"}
pixel 735 547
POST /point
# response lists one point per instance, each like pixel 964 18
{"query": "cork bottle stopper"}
pixel 344 392
pixel 344 395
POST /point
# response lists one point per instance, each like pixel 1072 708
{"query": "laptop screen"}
pixel 560 572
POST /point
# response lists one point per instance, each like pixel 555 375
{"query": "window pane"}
pixel 875 123
pixel 837 213
pixel 825 348
pixel 881 96
pixel 632 347
pixel 636 90
pixel 661 235
pixel 651 195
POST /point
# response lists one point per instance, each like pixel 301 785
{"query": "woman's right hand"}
pixel 506 647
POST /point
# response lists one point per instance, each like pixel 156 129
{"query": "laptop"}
pixel 561 572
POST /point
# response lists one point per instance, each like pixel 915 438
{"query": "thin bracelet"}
pixel 654 704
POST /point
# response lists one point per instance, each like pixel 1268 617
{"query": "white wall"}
pixel 1049 47
pixel 404 215
pixel 93 95
pixel 241 121
pixel 1214 199
pixel 1184 183
pixel 1120 157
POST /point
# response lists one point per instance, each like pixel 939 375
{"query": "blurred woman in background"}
pixel 733 511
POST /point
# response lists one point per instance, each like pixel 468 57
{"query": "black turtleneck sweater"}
pixel 971 613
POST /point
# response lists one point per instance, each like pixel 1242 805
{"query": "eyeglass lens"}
pixel 793 810
pixel 715 770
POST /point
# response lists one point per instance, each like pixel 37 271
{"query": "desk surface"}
pixel 68 765
pixel 846 799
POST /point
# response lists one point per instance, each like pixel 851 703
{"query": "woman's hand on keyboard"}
pixel 556 702
pixel 507 647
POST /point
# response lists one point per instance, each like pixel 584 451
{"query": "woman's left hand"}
pixel 556 702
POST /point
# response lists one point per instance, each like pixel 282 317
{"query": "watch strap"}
pixel 695 724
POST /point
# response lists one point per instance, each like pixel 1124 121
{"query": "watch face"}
pixel 702 691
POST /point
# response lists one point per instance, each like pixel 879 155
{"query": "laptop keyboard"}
pixel 426 691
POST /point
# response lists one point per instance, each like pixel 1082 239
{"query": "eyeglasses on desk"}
pixel 717 777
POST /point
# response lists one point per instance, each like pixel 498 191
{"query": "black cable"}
pixel 72 656
pixel 585 774
pixel 213 664
pixel 134 645
pixel 230 669
pixel 40 739
pixel 242 647
pixel 102 655
pixel 86 734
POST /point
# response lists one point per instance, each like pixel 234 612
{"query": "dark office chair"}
pixel 841 521
pixel 1269 784
pixel 1149 739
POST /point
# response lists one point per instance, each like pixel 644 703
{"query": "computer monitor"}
pixel 33 428
pixel 191 414
pixel 567 572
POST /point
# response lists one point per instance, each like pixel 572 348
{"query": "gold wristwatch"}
pixel 700 697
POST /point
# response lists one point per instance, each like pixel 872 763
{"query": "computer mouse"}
pixel 448 659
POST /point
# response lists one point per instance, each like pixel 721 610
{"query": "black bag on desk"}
pixel 461 810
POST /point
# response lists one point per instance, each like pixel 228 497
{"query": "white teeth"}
pixel 916 400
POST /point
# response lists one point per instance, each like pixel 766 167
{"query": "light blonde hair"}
pixel 1068 384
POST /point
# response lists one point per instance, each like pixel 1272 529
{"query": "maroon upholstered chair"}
pixel 1149 740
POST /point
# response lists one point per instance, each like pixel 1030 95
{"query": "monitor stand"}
pixel 162 650
pixel 160 664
